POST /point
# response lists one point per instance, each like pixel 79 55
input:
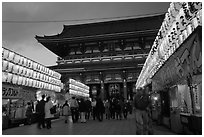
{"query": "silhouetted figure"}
pixel 88 108
pixel 40 110
pixel 82 110
pixel 100 109
pixel 29 113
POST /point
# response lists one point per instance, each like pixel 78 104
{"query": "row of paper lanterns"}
pixel 78 84
pixel 27 72
pixel 74 87
pixel 77 93
pixel 22 61
pixel 24 81
pixel 174 30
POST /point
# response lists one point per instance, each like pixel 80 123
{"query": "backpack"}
pixel 53 110
pixel 142 101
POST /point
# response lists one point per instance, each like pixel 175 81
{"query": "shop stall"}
pixel 21 79
pixel 175 67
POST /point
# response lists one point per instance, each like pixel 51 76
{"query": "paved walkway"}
pixel 92 127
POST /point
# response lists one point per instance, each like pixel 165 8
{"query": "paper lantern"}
pixel 10 67
pixel 11 56
pixel 9 78
pixel 25 62
pixel 15 79
pixel 30 83
pixel 34 75
pixel 28 72
pixel 17 58
pixel 23 81
pixel 41 76
pixel 31 73
pixel 34 66
pixel 20 70
pixel 5 53
pixel 4 76
pixel 20 80
pixel 21 60
pixel 15 69
pixel 34 83
pixel 4 65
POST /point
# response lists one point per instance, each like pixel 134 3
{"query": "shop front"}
pixel 14 100
pixel 179 82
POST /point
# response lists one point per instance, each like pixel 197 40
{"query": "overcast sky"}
pixel 20 37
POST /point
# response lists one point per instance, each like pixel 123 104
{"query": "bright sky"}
pixel 20 37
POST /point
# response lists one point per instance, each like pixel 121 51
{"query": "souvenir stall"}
pixel 176 72
pixel 21 79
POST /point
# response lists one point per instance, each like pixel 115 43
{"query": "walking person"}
pixel 118 110
pixel 66 111
pixel 74 109
pixel 88 108
pixel 29 113
pixel 82 110
pixel 93 104
pixel 40 110
pixel 125 110
pixel 107 109
pixel 48 115
pixel 100 109
pixel 141 103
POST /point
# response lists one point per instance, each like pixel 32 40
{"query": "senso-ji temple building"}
pixel 107 56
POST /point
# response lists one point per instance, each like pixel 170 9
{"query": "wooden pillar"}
pixel 102 90
pixel 125 89
pixel 102 94
pixel 124 85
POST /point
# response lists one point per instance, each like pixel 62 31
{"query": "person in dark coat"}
pixel 125 109
pixel 118 109
pixel 113 108
pixel 40 110
pixel 82 110
pixel 88 110
pixel 100 109
pixel 29 113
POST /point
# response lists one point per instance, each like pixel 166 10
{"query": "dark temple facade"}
pixel 107 56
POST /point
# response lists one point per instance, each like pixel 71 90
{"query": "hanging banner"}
pixel 17 92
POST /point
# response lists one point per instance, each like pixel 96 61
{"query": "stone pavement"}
pixel 92 127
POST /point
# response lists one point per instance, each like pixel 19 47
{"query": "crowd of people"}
pixel 86 109
pixel 80 110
